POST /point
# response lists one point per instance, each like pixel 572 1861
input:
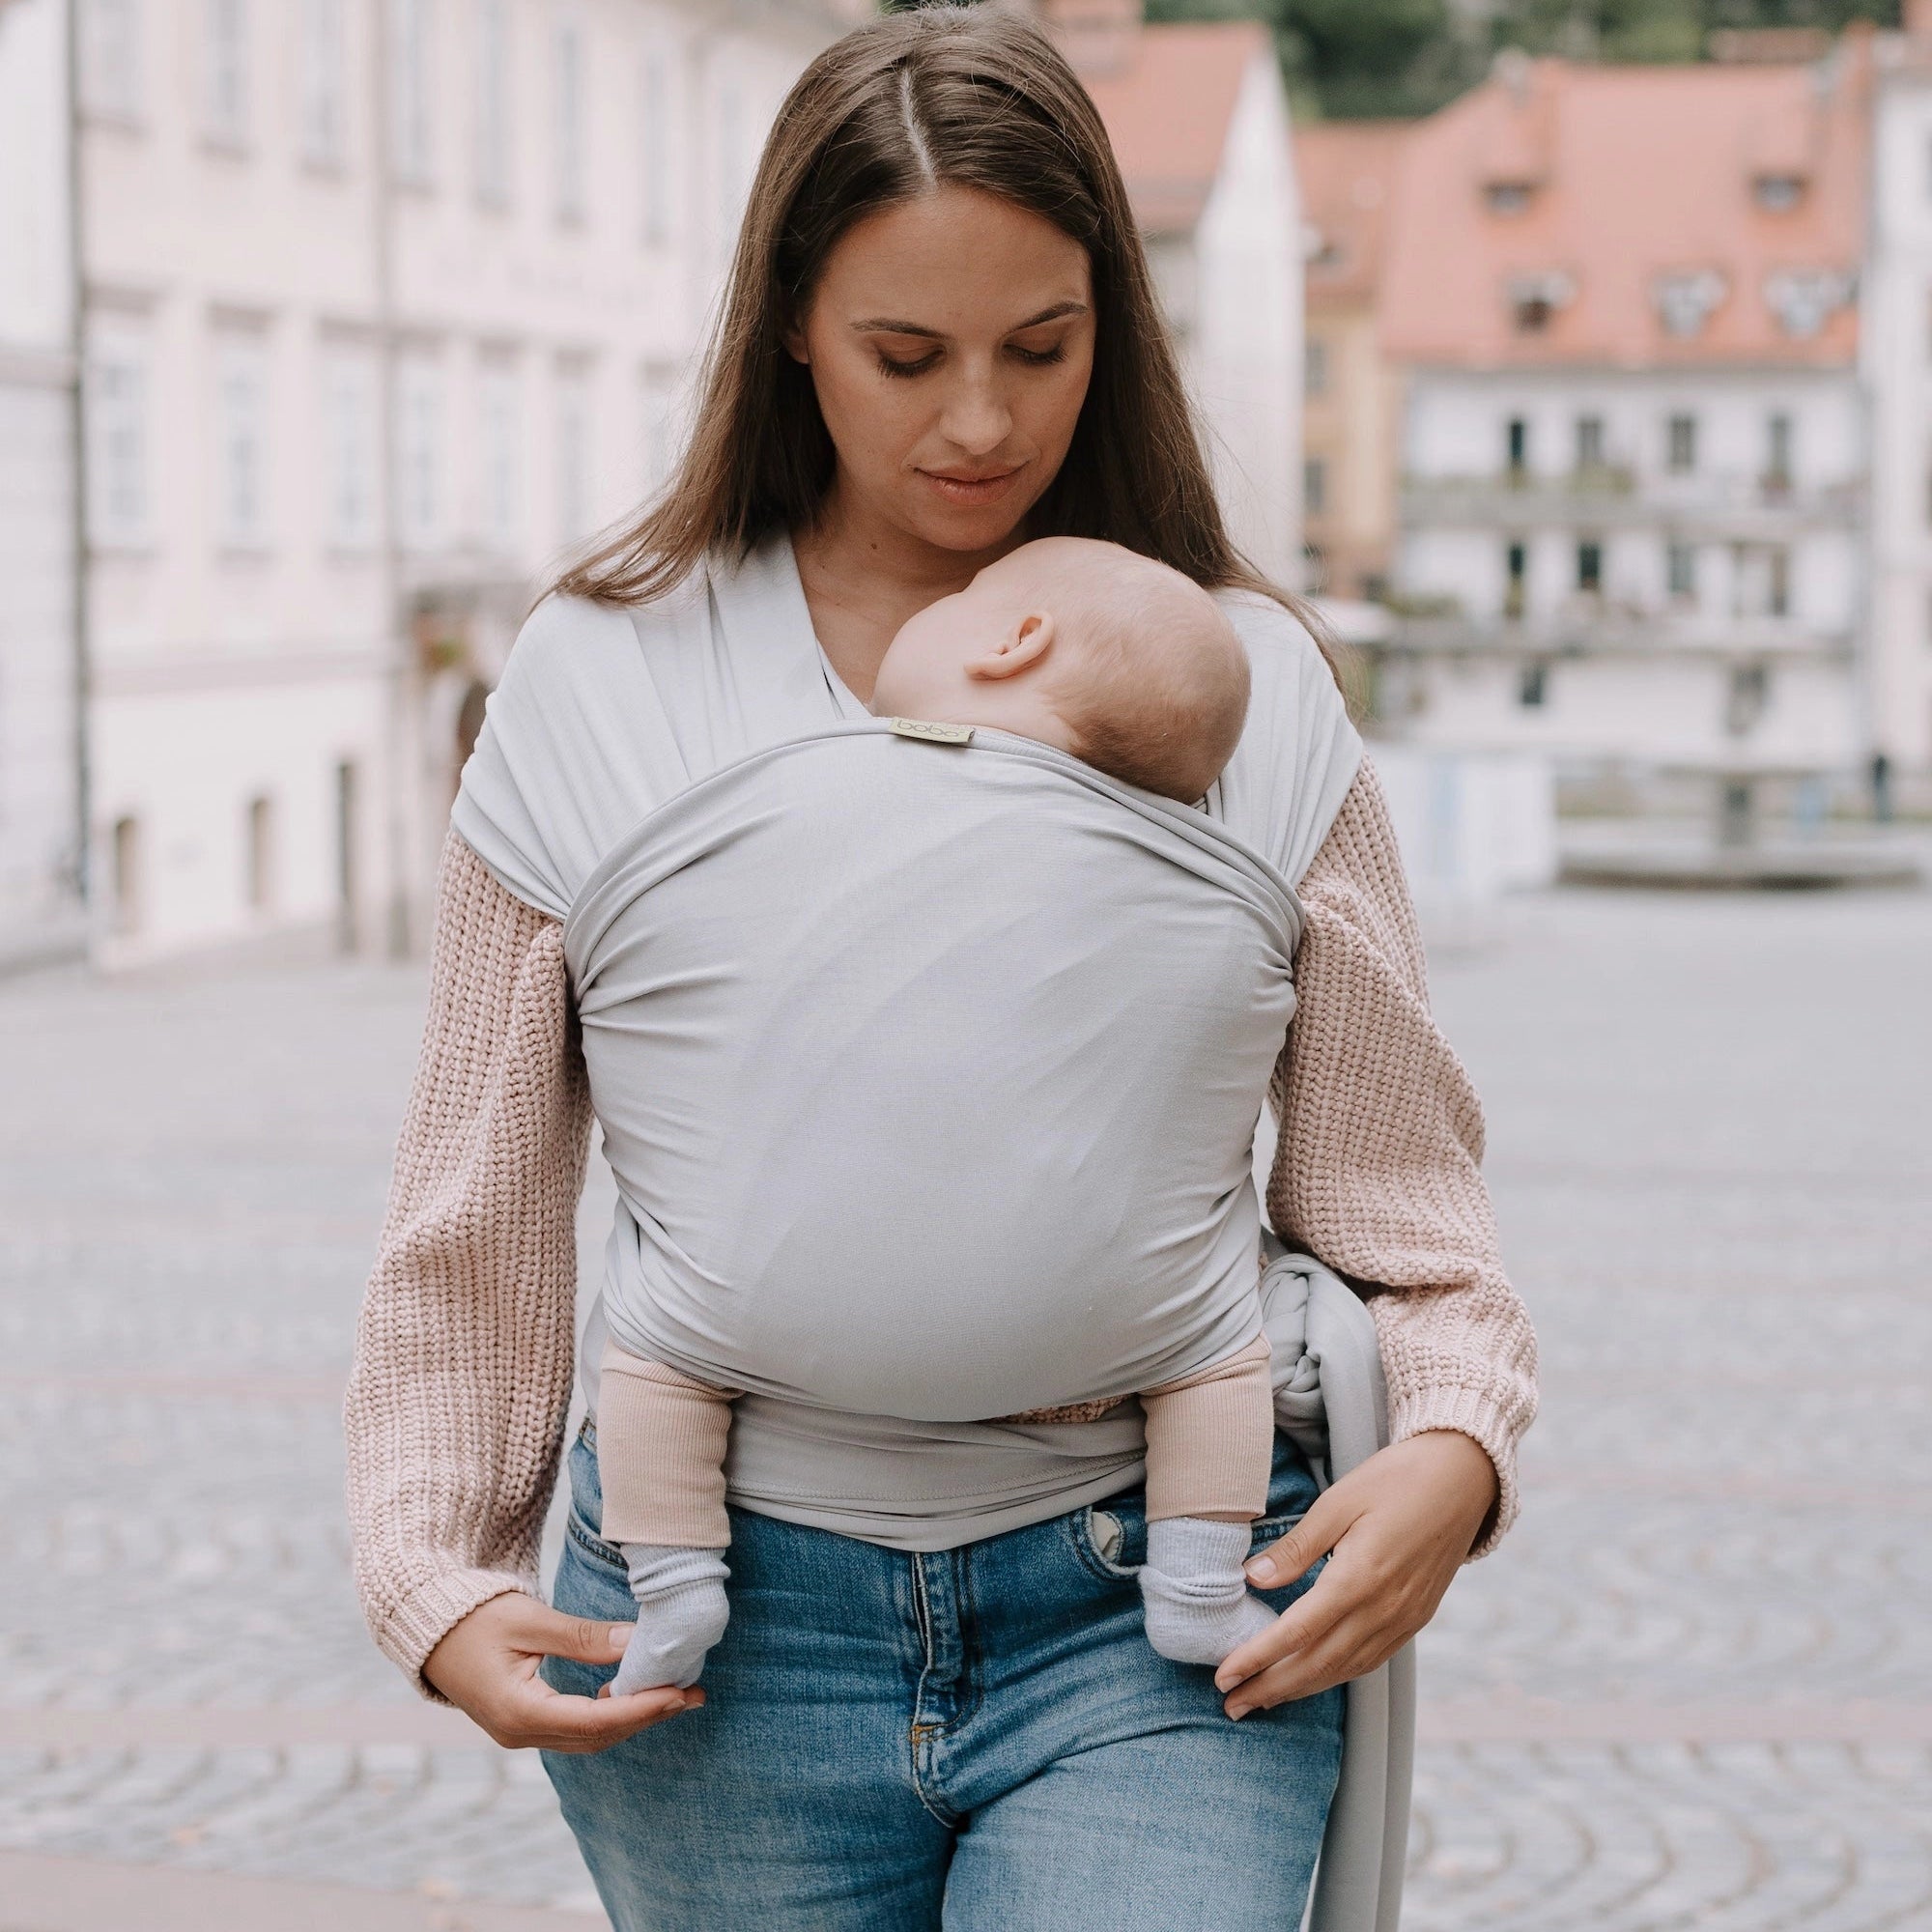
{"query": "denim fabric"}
pixel 980 1740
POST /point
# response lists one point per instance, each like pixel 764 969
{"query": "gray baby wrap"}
pixel 929 1076
pixel 608 727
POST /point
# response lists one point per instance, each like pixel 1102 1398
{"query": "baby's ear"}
pixel 1020 649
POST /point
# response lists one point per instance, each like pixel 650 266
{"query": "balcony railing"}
pixel 1608 497
pixel 1433 627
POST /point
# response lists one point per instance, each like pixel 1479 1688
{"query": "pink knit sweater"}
pixel 464 1351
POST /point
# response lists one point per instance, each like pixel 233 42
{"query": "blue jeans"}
pixel 980 1740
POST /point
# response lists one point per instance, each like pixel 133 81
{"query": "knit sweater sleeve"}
pixel 463 1365
pixel 1378 1171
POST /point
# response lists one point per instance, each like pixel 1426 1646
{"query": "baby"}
pixel 1127 666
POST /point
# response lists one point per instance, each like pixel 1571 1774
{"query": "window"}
pixel 733 173
pixel 123 870
pixel 1589 443
pixel 572 450
pixel 110 58
pixel 1680 570
pixel 1515 566
pixel 225 71
pixel 1681 452
pixel 1687 298
pixel 567 53
pixel 1315 486
pixel 419 450
pixel 654 130
pixel 1315 366
pixel 259 855
pixel 492 102
pixel 409 92
pixel 1780 582
pixel 1805 300
pixel 1590 566
pixel 657 393
pixel 349 450
pixel 1515 438
pixel 1535 298
pixel 1745 701
pixel 1778 453
pixel 117 438
pixel 325 84
pixel 241 440
pixel 502 495
pixel 1532 691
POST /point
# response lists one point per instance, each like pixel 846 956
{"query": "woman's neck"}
pixel 863 578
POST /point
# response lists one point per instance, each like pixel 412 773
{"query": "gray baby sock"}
pixel 681 1613
pixel 1198 1604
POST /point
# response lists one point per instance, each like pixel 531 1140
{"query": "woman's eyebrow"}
pixel 880 325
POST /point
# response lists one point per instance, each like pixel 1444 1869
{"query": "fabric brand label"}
pixel 932 734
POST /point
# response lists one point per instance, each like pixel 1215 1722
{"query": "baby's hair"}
pixel 1166 719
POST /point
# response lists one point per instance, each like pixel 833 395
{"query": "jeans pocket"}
pixel 1110 1536
pixel 586 1518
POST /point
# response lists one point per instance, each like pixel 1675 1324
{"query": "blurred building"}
pixel 1199 122
pixel 1633 512
pixel 1897 342
pixel 387 304
pixel 1352 394
pixel 40 771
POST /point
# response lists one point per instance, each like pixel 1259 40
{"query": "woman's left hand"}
pixel 1395 1530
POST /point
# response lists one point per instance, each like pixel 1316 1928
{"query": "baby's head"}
pixel 1106 654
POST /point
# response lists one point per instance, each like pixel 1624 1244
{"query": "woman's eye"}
pixel 1038 358
pixel 891 366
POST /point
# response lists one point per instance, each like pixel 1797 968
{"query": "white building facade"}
pixel 1897 345
pixel 40 768
pixel 1199 122
pixel 1646 567
pixel 388 303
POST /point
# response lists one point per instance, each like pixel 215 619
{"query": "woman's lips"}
pixel 972 490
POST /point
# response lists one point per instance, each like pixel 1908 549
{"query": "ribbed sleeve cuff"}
pixel 414 1626
pixel 1488 1423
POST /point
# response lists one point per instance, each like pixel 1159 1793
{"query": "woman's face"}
pixel 950 339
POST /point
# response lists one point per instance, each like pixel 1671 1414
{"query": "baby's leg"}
pixel 1210 1449
pixel 661 1459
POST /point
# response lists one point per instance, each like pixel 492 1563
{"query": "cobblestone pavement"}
pixel 1694 1690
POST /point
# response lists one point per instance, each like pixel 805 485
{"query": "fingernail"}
pixel 620 1636
pixel 1239 1712
pixel 676 1705
pixel 1261 1570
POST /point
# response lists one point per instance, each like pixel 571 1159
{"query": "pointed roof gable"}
pixel 1168 110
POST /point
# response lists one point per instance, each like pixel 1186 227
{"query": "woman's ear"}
pixel 1020 649
pixel 792 335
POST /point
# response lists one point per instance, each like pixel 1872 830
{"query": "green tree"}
pixel 1354 58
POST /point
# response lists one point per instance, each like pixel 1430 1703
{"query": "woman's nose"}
pixel 977 419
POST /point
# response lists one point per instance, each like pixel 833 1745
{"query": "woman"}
pixel 940 339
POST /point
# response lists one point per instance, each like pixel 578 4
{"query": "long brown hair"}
pixel 972 96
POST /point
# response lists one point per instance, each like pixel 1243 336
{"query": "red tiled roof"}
pixel 1168 112
pixel 1347 171
pixel 1638 192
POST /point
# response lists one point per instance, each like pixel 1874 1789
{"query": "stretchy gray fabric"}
pixel 606 716
pixel 929 1075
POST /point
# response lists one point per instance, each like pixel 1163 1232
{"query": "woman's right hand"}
pixel 488 1667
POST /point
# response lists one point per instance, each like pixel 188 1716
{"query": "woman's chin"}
pixel 966 529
